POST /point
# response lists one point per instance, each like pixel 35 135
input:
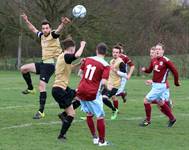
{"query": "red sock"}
pixel 91 125
pixel 148 111
pixel 167 111
pixel 101 129
pixel 116 103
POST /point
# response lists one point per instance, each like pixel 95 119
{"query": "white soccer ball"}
pixel 79 11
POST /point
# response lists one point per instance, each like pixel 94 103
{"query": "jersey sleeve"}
pixel 106 72
pixel 122 67
pixel 174 71
pixel 39 34
pixel 55 35
pixel 69 58
pixel 128 61
pixel 150 68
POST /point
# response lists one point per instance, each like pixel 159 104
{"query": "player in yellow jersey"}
pixel 62 94
pixel 51 49
pixel 117 70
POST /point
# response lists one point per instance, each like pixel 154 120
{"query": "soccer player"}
pixel 121 90
pixel 95 73
pixel 50 50
pixel 62 94
pixel 117 71
pixel 160 66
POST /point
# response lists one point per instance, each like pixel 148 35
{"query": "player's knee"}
pixel 145 101
pixel 23 69
pixel 42 87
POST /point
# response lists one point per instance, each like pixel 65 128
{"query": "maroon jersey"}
pixel 94 70
pixel 161 67
pixel 126 60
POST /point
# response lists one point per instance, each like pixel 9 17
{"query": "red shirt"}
pixel 126 60
pixel 94 70
pixel 161 67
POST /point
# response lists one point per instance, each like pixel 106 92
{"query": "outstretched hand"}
pixel 65 20
pixel 24 16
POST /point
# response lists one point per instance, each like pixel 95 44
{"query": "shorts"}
pixel 158 92
pixel 45 71
pixel 94 107
pixel 109 93
pixel 122 86
pixel 63 97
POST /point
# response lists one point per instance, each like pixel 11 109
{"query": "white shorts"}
pixel 94 107
pixel 122 86
pixel 159 92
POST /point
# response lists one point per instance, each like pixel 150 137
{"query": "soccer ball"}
pixel 79 11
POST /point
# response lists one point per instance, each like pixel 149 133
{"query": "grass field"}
pixel 18 131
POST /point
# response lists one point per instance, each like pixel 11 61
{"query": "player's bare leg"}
pixel 25 70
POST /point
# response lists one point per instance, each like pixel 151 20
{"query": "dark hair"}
pixel 68 43
pixel 101 48
pixel 44 22
pixel 120 44
pixel 118 47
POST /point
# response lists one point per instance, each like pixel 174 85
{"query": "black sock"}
pixel 28 80
pixel 76 104
pixel 109 104
pixel 42 101
pixel 66 124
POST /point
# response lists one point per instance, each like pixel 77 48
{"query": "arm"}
pixel 174 71
pixel 122 70
pixel 64 21
pixel 80 50
pixel 147 70
pixel 29 24
pixel 130 72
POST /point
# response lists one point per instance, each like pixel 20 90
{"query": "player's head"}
pixel 121 46
pixel 46 27
pixel 152 52
pixel 68 45
pixel 116 51
pixel 101 49
pixel 159 50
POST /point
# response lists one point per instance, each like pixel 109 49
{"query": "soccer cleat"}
pixel 95 141
pixel 27 91
pixel 114 115
pixel 83 118
pixel 62 138
pixel 124 97
pixel 106 143
pixel 39 115
pixel 171 123
pixel 144 123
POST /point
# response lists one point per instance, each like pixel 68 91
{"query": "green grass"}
pixel 18 131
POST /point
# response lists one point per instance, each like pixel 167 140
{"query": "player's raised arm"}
pixel 29 24
pixel 130 72
pixel 64 21
pixel 80 50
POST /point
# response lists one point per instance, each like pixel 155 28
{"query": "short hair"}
pixel 101 48
pixel 44 22
pixel 117 47
pixel 162 45
pixel 152 48
pixel 68 43
pixel 120 44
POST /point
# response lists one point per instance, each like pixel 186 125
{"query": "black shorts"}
pixel 63 97
pixel 109 93
pixel 45 71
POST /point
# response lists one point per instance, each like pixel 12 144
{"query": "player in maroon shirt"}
pixel 95 73
pixel 160 66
